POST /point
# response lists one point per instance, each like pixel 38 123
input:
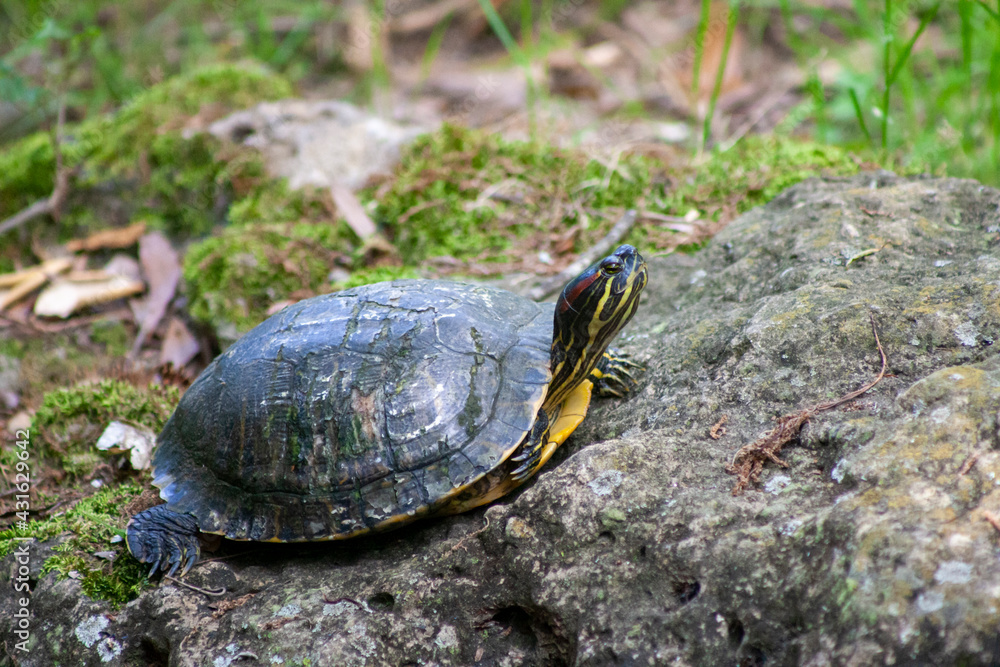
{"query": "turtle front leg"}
pixel 164 538
pixel 613 374
pixel 530 454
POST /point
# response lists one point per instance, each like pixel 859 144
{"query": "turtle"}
pixel 365 409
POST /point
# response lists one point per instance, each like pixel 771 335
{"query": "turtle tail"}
pixel 165 538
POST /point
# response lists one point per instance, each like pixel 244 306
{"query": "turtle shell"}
pixel 356 411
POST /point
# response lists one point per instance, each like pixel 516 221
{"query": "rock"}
pixel 318 142
pixel 873 547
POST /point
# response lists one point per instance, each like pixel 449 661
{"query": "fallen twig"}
pixel 872 213
pixel 39 208
pixel 217 592
pixel 109 238
pixel 353 212
pixel 719 429
pixel 226 606
pixel 52 205
pixel 969 462
pixel 23 283
pixel 749 461
pixel 461 543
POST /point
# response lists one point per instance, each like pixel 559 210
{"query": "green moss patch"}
pixel 234 277
pixel 376 275
pixel 113 336
pixel 469 195
pixel 753 172
pixel 92 524
pixel 142 162
pixel 63 434
pixel 70 420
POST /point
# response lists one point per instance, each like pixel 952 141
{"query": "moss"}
pixel 26 172
pixel 468 194
pixel 140 157
pixel 234 277
pixel 70 420
pixel 12 347
pixel 164 109
pixel 754 171
pixel 93 523
pixel 113 335
pixel 270 201
pixel 376 275
pixel 107 400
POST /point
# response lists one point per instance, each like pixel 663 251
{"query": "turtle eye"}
pixel 611 266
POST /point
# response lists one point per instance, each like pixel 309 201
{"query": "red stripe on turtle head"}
pixel 572 293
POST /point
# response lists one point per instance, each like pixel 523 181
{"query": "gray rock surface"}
pixel 629 549
pixel 319 142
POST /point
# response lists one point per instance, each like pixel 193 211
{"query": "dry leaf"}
pixel 352 210
pixel 23 283
pixel 124 265
pixel 119 438
pixel 179 345
pixel 425 17
pixel 109 238
pixel 163 270
pixel 63 298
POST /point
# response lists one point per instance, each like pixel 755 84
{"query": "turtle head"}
pixel 591 310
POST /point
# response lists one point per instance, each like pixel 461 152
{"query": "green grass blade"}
pixel 719 73
pixel 500 28
pixel 995 14
pixel 860 115
pixel 527 22
pixel 887 37
pixel 815 88
pixel 699 46
pixel 965 17
pixel 290 45
pixel 433 47
pixel 905 55
pixel 519 56
pixel 790 34
pixel 263 42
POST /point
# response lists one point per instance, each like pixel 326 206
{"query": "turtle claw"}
pixel 167 539
pixel 613 374
pixel 529 460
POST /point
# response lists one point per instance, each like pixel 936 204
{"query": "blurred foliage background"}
pixel 917 81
